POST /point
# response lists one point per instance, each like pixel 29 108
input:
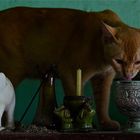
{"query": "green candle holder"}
pixel 81 112
pixel 74 104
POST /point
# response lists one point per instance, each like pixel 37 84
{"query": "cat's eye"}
pixel 137 62
pixel 119 61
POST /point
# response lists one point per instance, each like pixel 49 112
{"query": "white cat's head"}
pixel 122 49
pixel 2 80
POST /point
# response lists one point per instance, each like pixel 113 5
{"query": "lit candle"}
pixel 78 82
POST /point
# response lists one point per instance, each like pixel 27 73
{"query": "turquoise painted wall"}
pixel 128 10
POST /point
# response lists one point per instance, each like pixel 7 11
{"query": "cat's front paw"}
pixel 2 128
pixel 10 126
pixel 110 125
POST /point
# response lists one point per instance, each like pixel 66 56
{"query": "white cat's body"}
pixel 7 101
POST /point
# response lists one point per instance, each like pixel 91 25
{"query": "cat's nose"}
pixel 128 77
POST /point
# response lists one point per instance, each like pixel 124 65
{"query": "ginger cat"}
pixel 97 42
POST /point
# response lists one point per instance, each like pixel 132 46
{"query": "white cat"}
pixel 7 101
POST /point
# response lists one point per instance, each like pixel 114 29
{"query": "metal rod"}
pixel 22 117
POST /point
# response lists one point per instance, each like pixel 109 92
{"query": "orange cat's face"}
pixel 125 54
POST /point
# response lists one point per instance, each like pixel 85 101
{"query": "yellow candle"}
pixel 78 82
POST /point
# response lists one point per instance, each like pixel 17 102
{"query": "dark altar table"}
pixel 70 136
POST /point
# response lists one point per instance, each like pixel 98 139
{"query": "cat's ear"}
pixel 108 33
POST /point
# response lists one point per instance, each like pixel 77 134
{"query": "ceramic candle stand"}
pixel 78 113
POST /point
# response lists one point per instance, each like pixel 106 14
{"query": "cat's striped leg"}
pixel 102 85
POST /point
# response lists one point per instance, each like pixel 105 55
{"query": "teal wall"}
pixel 128 10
